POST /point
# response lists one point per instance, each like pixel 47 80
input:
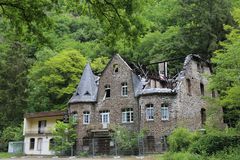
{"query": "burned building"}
pixel 119 96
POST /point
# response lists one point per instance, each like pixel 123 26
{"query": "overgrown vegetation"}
pixel 64 137
pixel 213 144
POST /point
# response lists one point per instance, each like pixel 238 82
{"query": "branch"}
pixel 115 9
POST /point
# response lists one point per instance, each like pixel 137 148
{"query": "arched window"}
pixel 115 68
pixel 39 144
pixel 149 112
pixel 51 144
pixel 164 112
pixel 32 143
pixel 203 115
pixel 188 86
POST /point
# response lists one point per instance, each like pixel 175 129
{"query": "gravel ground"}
pixel 75 158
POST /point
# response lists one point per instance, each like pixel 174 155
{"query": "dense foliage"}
pixel 212 145
pixel 64 137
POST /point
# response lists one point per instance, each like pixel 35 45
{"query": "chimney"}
pixel 162 69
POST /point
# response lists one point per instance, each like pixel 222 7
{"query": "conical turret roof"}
pixel 87 88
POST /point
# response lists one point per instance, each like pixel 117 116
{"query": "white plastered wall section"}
pixel 37 150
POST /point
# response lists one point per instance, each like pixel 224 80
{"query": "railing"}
pixel 37 131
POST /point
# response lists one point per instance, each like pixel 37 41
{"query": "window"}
pixel 41 126
pixel 200 67
pixel 32 143
pixel 164 112
pixel 74 116
pixel 124 89
pixel 115 68
pixel 51 143
pixel 203 115
pixel 39 144
pixel 87 93
pixel 107 91
pixel 127 115
pixel 86 117
pixel 188 86
pixel 149 112
pixel 202 89
pixel 104 115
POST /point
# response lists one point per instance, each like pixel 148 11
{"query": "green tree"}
pixel 53 81
pixel 226 78
pixel 11 133
pixel 64 135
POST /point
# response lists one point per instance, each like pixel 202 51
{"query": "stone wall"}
pixel 190 104
pixel 116 102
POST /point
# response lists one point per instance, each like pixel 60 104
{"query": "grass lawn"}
pixel 5 155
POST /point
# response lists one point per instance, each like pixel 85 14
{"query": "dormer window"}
pixel 115 68
pixel 124 89
pixel 107 91
pixel 87 94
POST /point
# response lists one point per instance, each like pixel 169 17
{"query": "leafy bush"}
pixel 181 139
pixel 228 154
pixel 181 156
pixel 212 143
pixel 64 136
pixel 11 133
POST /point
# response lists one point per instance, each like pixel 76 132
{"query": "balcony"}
pixel 45 131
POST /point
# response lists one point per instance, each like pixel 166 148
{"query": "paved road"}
pixel 75 158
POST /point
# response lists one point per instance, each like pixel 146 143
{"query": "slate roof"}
pixel 45 114
pixel 87 88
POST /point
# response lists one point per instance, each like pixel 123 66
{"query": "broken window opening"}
pixel 203 116
pixel 115 68
pixel 107 91
pixel 188 86
pixel 202 89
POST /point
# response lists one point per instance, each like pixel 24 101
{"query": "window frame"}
pixel 124 89
pixel 102 117
pixel 107 91
pixel 127 112
pixel 115 68
pixel 86 117
pixel 41 126
pixel 165 112
pixel 149 112
pixel 32 144
pixel 39 144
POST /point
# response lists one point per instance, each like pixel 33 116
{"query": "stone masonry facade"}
pixel 121 97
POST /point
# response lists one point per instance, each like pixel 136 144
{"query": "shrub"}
pixel 181 139
pixel 212 143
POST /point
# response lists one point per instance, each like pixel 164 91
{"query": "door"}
pixel 104 145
